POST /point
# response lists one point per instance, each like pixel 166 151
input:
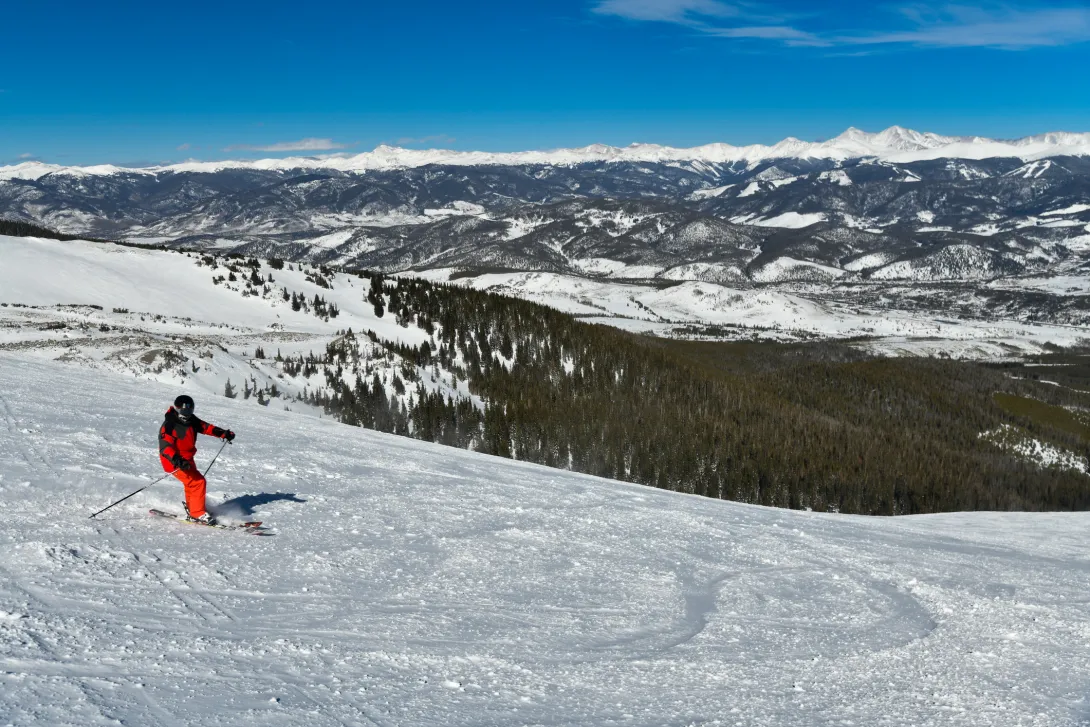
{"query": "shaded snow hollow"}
pixel 412 584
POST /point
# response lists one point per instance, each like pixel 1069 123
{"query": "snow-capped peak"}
pixel 36 170
pixel 895 144
pixel 892 140
pixel 902 139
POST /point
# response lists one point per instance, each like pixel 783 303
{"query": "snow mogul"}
pixel 178 446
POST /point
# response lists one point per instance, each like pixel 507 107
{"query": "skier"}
pixel 177 447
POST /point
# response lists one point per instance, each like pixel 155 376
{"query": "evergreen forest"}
pixel 815 425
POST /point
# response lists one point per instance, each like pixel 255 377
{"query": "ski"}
pixel 254 526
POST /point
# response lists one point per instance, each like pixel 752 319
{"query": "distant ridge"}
pixel 895 144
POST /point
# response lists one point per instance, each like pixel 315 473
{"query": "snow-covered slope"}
pixel 411 584
pixel 50 272
pixel 895 144
pixel 159 315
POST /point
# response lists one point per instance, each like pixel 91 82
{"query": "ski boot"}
pixel 205 519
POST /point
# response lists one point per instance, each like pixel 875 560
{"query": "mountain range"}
pixel 853 213
pixel 896 144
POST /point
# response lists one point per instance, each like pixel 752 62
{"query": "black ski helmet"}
pixel 185 401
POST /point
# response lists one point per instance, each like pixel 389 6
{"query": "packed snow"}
pixel 411 584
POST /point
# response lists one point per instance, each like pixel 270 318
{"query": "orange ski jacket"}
pixel 178 437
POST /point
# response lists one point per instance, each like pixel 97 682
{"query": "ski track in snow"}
pixel 412 584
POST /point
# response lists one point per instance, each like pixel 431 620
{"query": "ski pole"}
pixel 225 443
pixel 126 497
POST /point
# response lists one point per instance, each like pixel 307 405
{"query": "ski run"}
pixel 412 584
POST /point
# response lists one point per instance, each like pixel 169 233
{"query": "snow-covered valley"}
pixel 412 584
pixel 783 313
pixel 111 306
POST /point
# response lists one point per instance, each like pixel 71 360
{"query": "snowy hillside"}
pixel 413 584
pixel 174 318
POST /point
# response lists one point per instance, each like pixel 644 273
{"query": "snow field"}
pixel 49 272
pixel 791 220
pixel 414 584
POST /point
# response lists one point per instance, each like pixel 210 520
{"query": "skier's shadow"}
pixel 246 505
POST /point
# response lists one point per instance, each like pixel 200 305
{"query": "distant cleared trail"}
pixel 411 584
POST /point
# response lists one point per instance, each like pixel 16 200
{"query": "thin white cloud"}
pixel 28 155
pixel 183 147
pixel 923 25
pixel 308 144
pixel 670 11
pixel 434 139
pixel 959 26
pixel 785 33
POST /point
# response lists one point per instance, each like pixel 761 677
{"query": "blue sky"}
pixel 137 82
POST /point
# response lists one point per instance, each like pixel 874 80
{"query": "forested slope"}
pixel 816 426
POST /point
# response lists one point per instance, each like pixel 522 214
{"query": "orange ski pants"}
pixel 195 485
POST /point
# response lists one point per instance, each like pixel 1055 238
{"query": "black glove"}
pixel 179 462
pixel 229 435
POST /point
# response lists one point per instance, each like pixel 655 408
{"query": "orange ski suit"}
pixel 179 438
